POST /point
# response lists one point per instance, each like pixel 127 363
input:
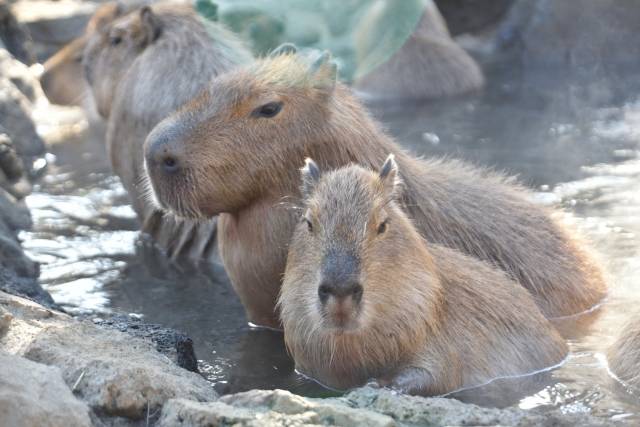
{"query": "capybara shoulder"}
pixel 624 354
pixel 365 297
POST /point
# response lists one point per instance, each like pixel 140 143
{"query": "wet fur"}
pixel 245 169
pixel 624 354
pixel 432 319
pixel 139 83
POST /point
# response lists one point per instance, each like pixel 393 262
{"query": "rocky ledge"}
pixel 56 370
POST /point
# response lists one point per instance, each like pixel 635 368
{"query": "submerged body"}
pixel 366 297
pixel 234 148
pixel 140 68
pixel 624 354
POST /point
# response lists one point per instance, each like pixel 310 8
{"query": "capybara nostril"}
pixel 342 290
pixel 162 153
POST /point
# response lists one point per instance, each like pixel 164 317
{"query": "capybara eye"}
pixel 115 40
pixel 268 110
pixel 383 226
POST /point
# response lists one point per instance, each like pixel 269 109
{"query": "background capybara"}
pixel 428 65
pixel 232 150
pixel 624 354
pixel 141 67
pixel 365 297
pixel 62 77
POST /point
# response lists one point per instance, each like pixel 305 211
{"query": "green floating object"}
pixel 208 9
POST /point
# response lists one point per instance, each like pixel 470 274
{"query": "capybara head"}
pixel 227 146
pixel 112 50
pixel 354 288
pixel 62 75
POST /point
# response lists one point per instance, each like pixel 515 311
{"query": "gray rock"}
pixel 15 118
pixel 14 36
pixel 173 344
pixel 122 378
pixel 52 24
pixel 366 406
pixel 32 394
pixel 20 75
pixel 116 374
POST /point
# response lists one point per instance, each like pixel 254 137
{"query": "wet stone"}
pixel 173 344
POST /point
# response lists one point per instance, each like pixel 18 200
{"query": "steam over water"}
pixel 580 152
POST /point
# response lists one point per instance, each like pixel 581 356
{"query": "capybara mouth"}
pixel 340 320
pixel 173 195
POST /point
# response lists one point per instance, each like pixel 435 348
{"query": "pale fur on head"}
pixel 388 330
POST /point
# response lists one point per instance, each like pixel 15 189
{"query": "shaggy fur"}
pixel 140 68
pixel 431 320
pixel 428 65
pixel 242 166
pixel 624 354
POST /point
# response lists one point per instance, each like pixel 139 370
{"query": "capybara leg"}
pixel 411 381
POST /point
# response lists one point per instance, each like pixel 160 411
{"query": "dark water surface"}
pixel 580 150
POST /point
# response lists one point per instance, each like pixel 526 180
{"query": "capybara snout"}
pixel 163 152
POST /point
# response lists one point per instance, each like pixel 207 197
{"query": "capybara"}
pixel 430 64
pixel 365 297
pixel 140 68
pixel 62 80
pixel 624 354
pixel 231 151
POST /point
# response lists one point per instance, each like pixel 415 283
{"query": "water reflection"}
pixel 581 155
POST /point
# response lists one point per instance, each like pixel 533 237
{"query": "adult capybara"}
pixel 62 80
pixel 140 68
pixel 624 354
pixel 429 64
pixel 366 297
pixel 232 151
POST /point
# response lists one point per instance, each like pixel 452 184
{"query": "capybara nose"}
pixel 343 290
pixel 163 154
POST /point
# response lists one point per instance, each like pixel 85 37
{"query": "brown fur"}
pixel 241 166
pixel 430 320
pixel 429 64
pixel 624 354
pixel 62 77
pixel 165 55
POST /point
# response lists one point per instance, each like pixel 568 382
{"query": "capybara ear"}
pixel 388 175
pixel 151 26
pixel 284 49
pixel 310 177
pixel 324 72
pixel 208 9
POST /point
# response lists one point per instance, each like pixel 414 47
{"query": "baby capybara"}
pixel 624 354
pixel 366 297
pixel 232 150
pixel 141 67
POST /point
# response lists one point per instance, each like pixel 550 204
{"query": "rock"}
pixel 120 375
pixel 20 75
pixel 116 374
pixel 14 36
pixel 274 408
pixel 413 410
pixel 15 118
pixel 173 344
pixel 52 24
pixel 32 394
pixel 366 406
